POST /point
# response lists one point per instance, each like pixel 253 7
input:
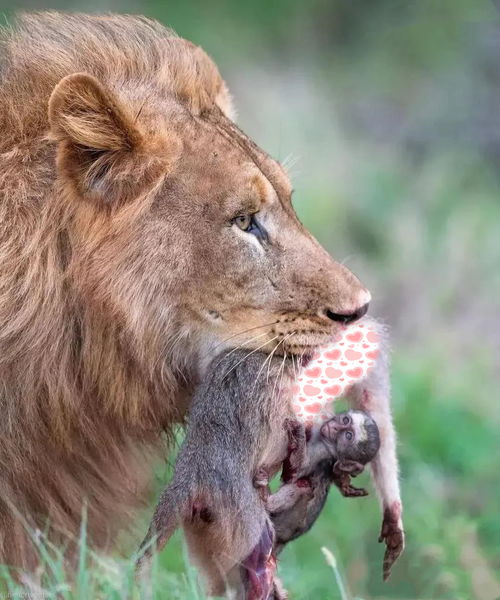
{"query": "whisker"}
pixel 269 364
pixel 169 344
pixel 241 346
pixel 297 367
pixel 243 332
pixel 280 372
pixel 293 365
pixel 283 371
pixel 289 162
pixel 301 357
pixel 346 259
pixel 268 358
pixel 277 346
pixel 249 354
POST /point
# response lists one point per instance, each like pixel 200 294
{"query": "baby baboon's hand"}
pixel 343 482
pixel 350 491
pixel 393 535
pixel 289 496
pixel 261 483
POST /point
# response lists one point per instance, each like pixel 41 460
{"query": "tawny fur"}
pixel 118 273
pixel 77 410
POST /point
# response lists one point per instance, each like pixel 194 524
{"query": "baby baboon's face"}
pixel 353 435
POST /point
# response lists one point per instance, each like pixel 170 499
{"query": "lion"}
pixel 140 232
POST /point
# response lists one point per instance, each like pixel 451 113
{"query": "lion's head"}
pixel 180 217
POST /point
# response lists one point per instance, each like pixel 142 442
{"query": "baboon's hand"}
pixel 261 483
pixel 343 482
pixel 393 535
pixel 349 491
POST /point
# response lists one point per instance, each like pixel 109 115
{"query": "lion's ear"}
pixel 102 151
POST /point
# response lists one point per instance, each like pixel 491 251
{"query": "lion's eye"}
pixel 244 222
pixel 249 224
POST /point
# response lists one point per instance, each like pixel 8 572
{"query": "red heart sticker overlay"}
pixel 311 390
pixel 333 390
pixel 316 372
pixel 357 336
pixel 355 373
pixel 332 371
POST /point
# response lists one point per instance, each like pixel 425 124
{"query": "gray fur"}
pixel 233 417
pixel 237 428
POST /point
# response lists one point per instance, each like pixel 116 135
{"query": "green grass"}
pixel 99 578
pixel 450 492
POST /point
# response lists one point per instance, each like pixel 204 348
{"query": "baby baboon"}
pixel 336 451
pixel 241 431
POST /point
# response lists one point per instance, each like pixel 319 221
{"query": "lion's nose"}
pixel 346 318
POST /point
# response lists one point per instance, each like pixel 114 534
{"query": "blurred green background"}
pixel 388 113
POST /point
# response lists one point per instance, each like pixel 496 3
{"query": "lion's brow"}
pixel 236 137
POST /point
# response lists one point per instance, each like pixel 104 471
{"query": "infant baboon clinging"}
pixel 241 431
pixel 335 451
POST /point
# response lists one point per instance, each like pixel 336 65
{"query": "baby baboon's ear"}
pixel 352 467
pixel 102 151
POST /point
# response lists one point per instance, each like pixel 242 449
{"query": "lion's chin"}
pixel 305 344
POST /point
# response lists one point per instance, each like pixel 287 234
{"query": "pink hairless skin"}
pixel 332 370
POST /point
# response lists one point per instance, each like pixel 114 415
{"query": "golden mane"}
pixel 78 415
pixel 117 49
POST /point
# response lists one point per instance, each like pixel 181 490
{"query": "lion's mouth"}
pixel 304 343
pixel 302 334
pixel 288 335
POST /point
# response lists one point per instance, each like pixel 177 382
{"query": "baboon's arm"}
pixel 296 452
pixel 372 394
